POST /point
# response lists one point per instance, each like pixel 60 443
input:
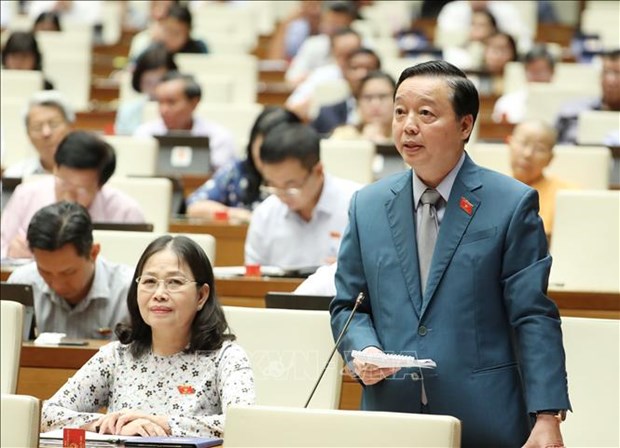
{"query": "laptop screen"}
pixel 291 301
pixel 183 153
pixel 21 293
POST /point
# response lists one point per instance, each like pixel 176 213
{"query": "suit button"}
pixel 422 330
pixel 415 376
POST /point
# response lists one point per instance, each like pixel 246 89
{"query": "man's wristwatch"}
pixel 560 414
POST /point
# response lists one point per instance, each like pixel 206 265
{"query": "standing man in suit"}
pixel 481 313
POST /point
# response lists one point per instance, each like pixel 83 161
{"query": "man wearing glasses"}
pixel 76 291
pixel 83 164
pixel 298 225
pixel 49 119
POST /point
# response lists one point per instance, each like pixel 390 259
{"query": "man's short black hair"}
pixel 84 150
pixel 291 141
pixel 59 224
pixel 539 51
pixel 465 99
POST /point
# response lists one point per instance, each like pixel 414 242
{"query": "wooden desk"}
pixel 250 291
pixel 229 237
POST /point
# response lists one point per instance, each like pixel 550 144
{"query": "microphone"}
pixel 360 298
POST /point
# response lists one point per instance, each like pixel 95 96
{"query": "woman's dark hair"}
pixel 23 42
pixel 270 117
pixel 153 58
pixel 85 150
pixel 208 330
pixel 377 74
pixel 50 17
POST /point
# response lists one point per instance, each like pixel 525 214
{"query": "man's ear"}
pixel 467 126
pixel 94 251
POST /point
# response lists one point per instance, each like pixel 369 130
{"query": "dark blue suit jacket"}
pixel 330 117
pixel 484 319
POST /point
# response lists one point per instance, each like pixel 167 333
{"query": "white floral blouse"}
pixel 193 390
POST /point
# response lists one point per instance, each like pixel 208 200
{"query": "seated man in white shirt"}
pixel 178 96
pixel 293 227
pixel 76 291
pixel 49 118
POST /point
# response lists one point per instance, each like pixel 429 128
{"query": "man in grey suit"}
pixel 476 304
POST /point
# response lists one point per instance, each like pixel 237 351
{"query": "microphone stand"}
pixel 360 298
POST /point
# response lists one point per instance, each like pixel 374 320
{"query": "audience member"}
pixel 49 118
pixel 87 12
pixel 342 44
pixel 83 165
pixel 149 69
pixel 21 52
pixel 469 55
pixel 375 104
pixel 566 122
pixel 47 21
pixel 456 16
pixel 315 50
pixel 178 96
pixel 158 10
pixel 76 291
pixel 292 228
pixel 175 369
pixel 235 188
pixel 321 283
pixel 474 301
pixel 357 65
pixel 500 50
pixel 539 66
pixel 302 22
pixel 531 151
pixel 176 34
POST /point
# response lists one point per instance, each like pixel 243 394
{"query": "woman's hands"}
pixel 130 422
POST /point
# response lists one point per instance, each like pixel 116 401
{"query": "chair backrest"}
pixel 594 126
pixel 11 345
pixel 586 241
pixel 21 420
pixel 327 93
pixel 568 163
pixel 154 194
pixel 276 426
pixel 592 349
pixel 242 69
pixel 135 156
pixel 126 246
pixel 20 84
pixel 544 100
pixel 288 349
pixel 349 159
pixel 17 145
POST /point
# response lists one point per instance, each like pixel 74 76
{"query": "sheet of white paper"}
pixel 391 360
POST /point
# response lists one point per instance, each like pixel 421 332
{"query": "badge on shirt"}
pixel 186 389
pixel 467 206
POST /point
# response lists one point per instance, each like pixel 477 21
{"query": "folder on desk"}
pixel 176 442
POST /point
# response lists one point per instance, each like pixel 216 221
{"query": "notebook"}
pixel 288 300
pixel 177 442
pixel 21 293
pixel 183 153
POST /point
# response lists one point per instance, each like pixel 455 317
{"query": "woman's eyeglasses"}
pixel 148 283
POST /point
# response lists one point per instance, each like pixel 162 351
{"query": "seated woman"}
pixel 375 103
pixel 150 68
pixel 174 370
pixel 21 52
pixel 235 188
pixel 500 49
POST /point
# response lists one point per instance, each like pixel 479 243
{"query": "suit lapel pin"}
pixel 467 206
